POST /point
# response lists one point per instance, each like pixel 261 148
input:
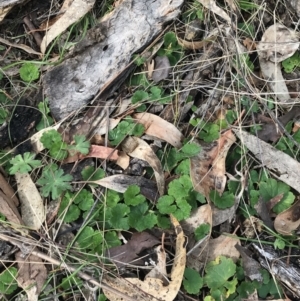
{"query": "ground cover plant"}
pixel 180 183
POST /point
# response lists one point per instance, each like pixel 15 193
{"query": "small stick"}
pixel 33 30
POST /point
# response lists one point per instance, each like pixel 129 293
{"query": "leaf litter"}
pixel 192 160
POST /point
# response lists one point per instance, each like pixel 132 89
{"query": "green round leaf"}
pixel 29 72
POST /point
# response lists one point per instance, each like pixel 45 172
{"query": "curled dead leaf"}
pixel 289 220
pixel 120 183
pixel 208 167
pixel 152 288
pixel 32 274
pixel 138 148
pixel 159 128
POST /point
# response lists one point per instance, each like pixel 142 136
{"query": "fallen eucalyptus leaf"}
pixel 75 11
pixel 208 167
pixel 138 148
pixel 32 206
pixel 285 168
pixel 120 183
pixel 162 68
pixel 153 288
pixel 159 128
pixel 289 220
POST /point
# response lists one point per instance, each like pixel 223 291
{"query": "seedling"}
pixel 54 182
pixel 124 128
pixel 171 48
pixel 291 63
pixel 8 282
pixel 23 163
pixel 29 72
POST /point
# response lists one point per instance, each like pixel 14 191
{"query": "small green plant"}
pixel 202 231
pixel 179 158
pixel 247 5
pixel 54 182
pixel 139 60
pixel 171 48
pixel 226 200
pixel 81 202
pixel 155 94
pixel 134 213
pixel 81 145
pixel 192 281
pixel 52 140
pixel 29 72
pixel 177 200
pixel 291 63
pixel 59 150
pixel 46 119
pixel 217 278
pixel 208 131
pixel 8 282
pixel 247 29
pixel 23 163
pixel 124 128
pixel 195 11
pixel 268 189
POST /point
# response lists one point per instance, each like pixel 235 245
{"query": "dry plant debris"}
pixel 150 149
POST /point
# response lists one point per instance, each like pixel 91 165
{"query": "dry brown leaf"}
pixel 249 44
pixel 211 249
pixel 152 288
pixel 120 183
pixel 285 168
pixel 223 245
pixel 4 11
pixel 159 128
pixel 9 210
pixel 288 221
pixel 160 270
pixel 211 5
pixel 128 253
pixel 251 267
pixel 19 46
pixel 32 207
pixel 202 215
pixel 7 190
pixel 123 160
pixel 162 69
pixel 138 148
pixel 32 274
pixel 195 45
pixel 96 151
pixel 208 167
pixel 74 12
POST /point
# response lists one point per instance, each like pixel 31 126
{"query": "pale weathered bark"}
pixel 5 3
pixel 107 52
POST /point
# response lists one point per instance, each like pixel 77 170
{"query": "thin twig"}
pixel 82 275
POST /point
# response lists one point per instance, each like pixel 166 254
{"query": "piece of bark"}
pixel 129 28
pixel 5 3
pixel 288 274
